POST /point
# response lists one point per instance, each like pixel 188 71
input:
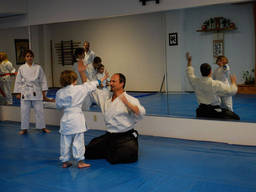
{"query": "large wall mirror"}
pixel 150 50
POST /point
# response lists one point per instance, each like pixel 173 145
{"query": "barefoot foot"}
pixel 24 131
pixel 66 164
pixel 46 130
pixel 82 164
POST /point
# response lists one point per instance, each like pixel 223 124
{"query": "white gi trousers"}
pixel 74 142
pixel 226 102
pixel 25 106
pixel 6 88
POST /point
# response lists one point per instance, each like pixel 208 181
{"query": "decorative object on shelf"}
pixel 248 77
pixel 173 39
pixel 144 1
pixel 218 48
pixel 217 24
pixel 21 45
pixel 65 50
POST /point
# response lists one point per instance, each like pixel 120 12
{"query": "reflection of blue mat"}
pixel 182 104
pixel 30 164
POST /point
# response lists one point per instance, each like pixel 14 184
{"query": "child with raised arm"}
pixel 222 74
pixel 72 124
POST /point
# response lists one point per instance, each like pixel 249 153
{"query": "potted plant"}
pixel 248 77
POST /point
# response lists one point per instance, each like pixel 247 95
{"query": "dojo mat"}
pixel 29 163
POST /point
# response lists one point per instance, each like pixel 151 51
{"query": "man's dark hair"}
pixel 79 51
pixel 205 69
pixel 97 60
pixel 122 79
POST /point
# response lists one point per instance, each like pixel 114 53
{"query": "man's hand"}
pixel 233 79
pixel 132 107
pixel 123 99
pixel 189 59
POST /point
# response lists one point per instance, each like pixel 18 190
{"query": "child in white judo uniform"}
pixel 30 87
pixel 6 70
pixel 222 74
pixel 72 124
pixel 102 92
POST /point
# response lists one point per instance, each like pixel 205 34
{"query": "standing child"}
pixel 6 70
pixel 30 87
pixel 72 124
pixel 102 93
pixel 222 74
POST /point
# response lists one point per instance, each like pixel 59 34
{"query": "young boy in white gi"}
pixel 6 70
pixel 30 87
pixel 222 74
pixel 72 125
pixel 102 92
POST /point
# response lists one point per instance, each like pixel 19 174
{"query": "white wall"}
pixel 133 45
pixel 66 10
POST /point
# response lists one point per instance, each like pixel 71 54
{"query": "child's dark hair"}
pixel 205 69
pixel 99 66
pixel 67 77
pixel 28 51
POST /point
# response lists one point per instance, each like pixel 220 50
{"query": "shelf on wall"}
pixel 216 30
pixel 247 89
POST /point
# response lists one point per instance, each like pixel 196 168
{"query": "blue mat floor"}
pixel 30 163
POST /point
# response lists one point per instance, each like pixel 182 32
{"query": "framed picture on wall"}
pixel 21 45
pixel 218 48
pixel 173 39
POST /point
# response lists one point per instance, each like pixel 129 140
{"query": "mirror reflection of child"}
pixel 102 93
pixel 100 74
pixel 222 74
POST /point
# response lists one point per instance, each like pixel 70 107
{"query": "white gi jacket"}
pixel 207 90
pixel 89 57
pixel 6 67
pixel 222 74
pixel 70 99
pixel 118 118
pixel 91 72
pixel 30 82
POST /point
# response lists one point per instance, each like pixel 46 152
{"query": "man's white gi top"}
pixel 70 99
pixel 30 82
pixel 118 118
pixel 89 57
pixel 207 90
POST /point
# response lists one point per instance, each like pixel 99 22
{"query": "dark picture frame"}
pixel 173 39
pixel 218 48
pixel 21 45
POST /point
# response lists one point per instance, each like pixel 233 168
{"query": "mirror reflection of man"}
pixel 208 92
pixel 121 113
pixel 89 55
